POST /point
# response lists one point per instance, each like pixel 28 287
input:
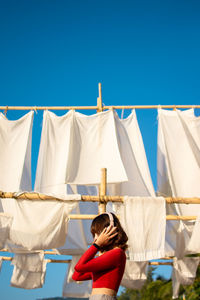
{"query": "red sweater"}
pixel 106 270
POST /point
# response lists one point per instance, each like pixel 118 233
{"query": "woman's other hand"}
pixel 106 235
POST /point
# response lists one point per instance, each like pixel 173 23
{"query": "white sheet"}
pixel 178 168
pixel 144 220
pixel 134 159
pixel 15 159
pixel 76 141
pixel 15 153
pixel 29 270
pixel 37 224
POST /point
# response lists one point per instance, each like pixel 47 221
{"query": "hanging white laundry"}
pixel 38 224
pixel 178 169
pixel 178 162
pixel 81 289
pixel 184 272
pixel 29 270
pixel 144 220
pixel 15 153
pixel 5 225
pixel 134 159
pixel 193 245
pixel 76 141
pixel 135 274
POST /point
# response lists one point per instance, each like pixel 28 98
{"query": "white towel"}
pixel 29 270
pixel 5 224
pixel 144 220
pixel 184 272
pixel 135 274
pixel 80 289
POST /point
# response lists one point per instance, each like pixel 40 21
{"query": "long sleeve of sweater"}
pixel 77 276
pixel 108 260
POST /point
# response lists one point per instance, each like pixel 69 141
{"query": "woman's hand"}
pixel 106 235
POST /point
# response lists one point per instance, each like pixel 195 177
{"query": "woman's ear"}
pixel 96 236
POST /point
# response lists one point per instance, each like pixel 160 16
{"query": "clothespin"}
pixel 174 107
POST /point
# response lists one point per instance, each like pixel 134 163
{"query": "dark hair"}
pixel 102 221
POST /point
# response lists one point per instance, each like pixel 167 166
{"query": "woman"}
pixel 107 269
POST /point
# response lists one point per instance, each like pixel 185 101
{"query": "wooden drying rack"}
pixel 102 198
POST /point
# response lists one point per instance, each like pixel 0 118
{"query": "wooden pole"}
pixel 82 217
pixel 102 190
pixel 48 107
pixel 102 197
pixel 96 107
pixel 102 209
pixel 183 200
pixel 99 100
pixel 183 218
pixel 156 263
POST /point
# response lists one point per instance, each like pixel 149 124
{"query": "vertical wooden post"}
pixel 102 189
pixel 99 100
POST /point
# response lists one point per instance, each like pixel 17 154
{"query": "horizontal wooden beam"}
pixel 88 198
pixel 104 107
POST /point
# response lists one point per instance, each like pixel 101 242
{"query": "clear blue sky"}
pixel 56 52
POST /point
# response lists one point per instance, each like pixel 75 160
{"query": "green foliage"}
pixel 161 289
